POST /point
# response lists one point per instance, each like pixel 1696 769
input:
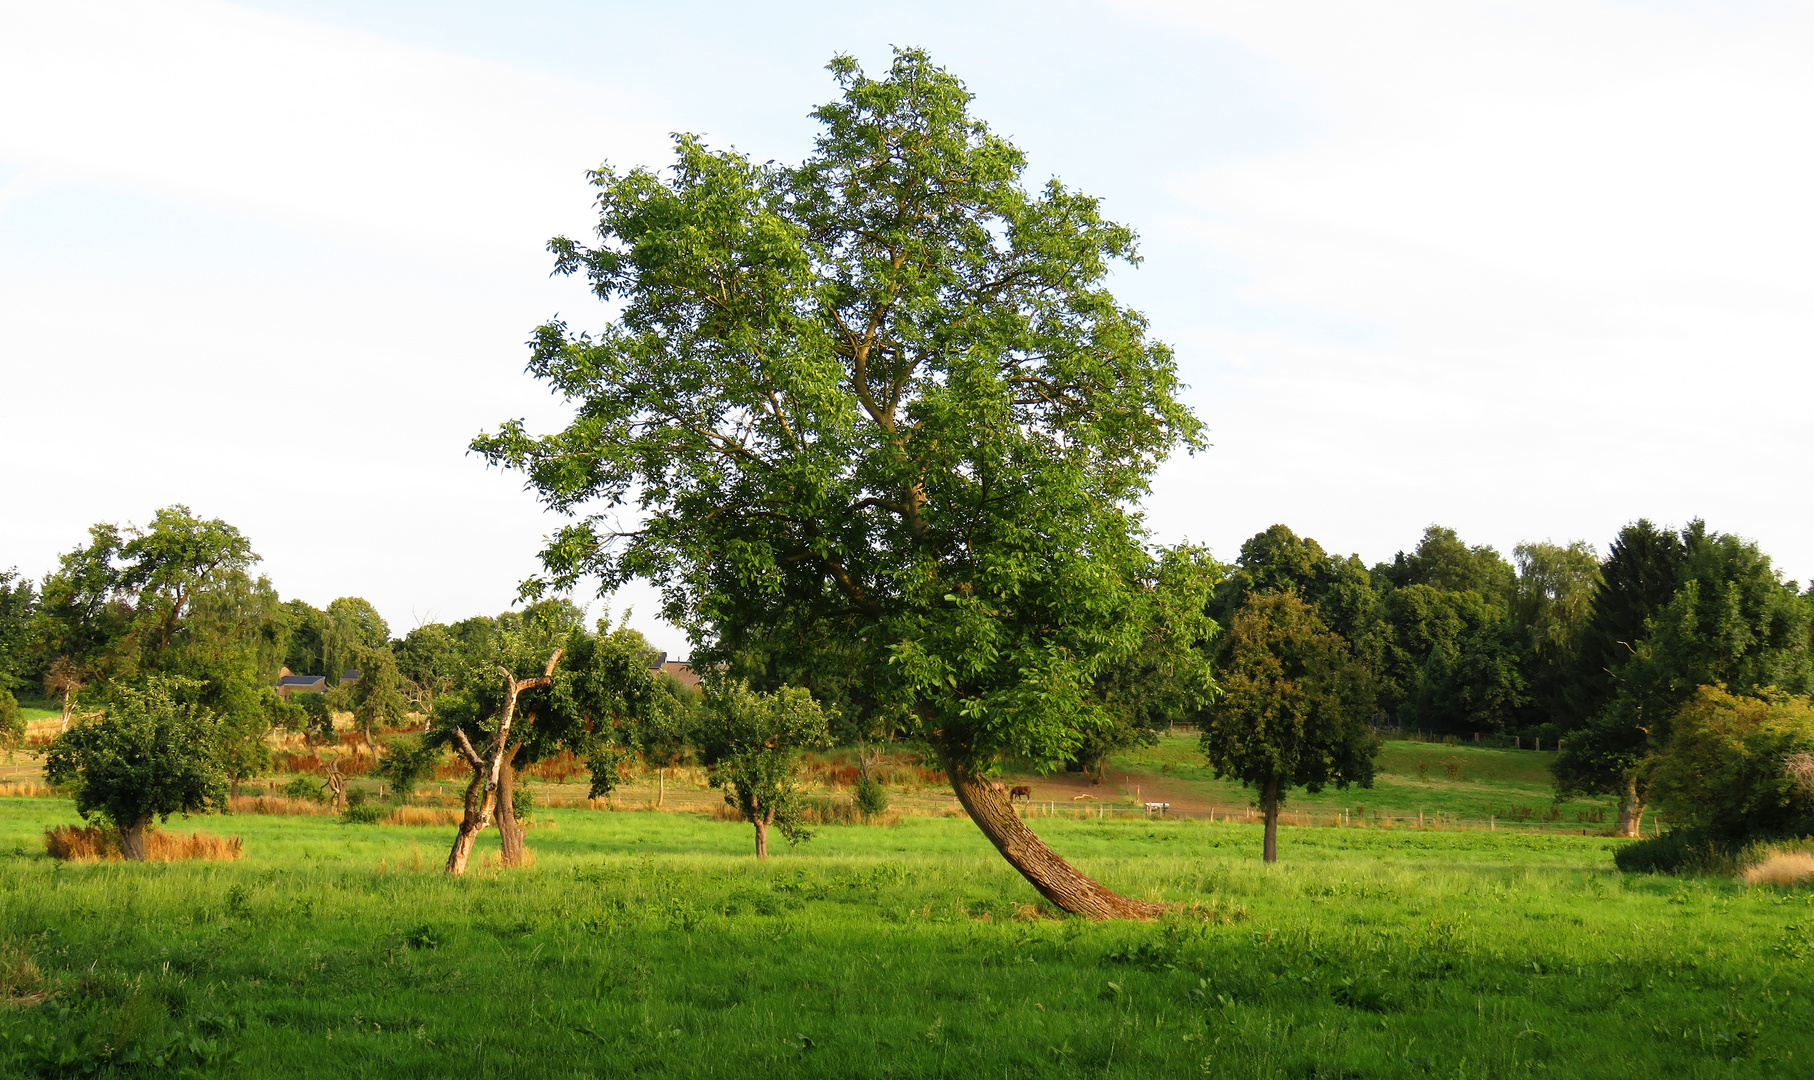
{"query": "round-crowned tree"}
pixel 1293 710
pixel 879 414
pixel 750 743
pixel 146 756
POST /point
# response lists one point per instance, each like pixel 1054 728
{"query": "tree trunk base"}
pixel 132 840
pixel 511 830
pixel 1057 880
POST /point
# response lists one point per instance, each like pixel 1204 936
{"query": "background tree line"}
pixel 1594 654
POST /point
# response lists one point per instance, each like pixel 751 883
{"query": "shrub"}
pixel 365 813
pixel 1726 768
pixel 870 796
pixel 1678 851
pixel 522 801
pixel 301 789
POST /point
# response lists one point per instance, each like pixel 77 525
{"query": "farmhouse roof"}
pixel 682 673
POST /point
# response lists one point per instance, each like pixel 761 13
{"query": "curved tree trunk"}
pixel 761 824
pixel 473 821
pixel 1056 880
pixel 1269 848
pixel 1631 808
pixel 132 839
pixel 511 829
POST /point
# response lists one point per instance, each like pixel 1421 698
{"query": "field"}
pixel 1455 783
pixel 650 944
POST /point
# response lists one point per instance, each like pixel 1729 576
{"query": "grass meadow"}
pixel 1465 782
pixel 653 944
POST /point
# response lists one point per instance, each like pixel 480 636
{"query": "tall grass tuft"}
pixel 1781 868
pixel 424 815
pixel 279 805
pixel 70 843
pixel 21 983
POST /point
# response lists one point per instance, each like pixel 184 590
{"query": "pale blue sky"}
pixel 1530 270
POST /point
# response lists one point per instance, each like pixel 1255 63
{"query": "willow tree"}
pixel 884 398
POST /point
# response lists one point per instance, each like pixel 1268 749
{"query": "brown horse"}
pixel 1020 793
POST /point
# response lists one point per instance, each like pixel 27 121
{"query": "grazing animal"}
pixel 1159 806
pixel 1021 792
pixel 998 787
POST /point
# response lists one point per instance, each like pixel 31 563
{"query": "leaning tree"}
pixel 883 398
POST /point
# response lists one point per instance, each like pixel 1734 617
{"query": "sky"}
pixel 1527 270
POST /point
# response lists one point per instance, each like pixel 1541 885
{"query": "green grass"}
pixel 653 945
pixel 1464 782
pixel 37 708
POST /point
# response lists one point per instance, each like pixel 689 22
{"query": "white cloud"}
pixel 282 272
pixel 373 139
pixel 1541 267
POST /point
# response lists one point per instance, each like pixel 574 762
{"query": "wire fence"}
pixel 1434 821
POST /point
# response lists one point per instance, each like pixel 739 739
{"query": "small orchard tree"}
pixel 660 734
pixel 244 753
pixel 408 760
pixel 148 755
pixel 750 743
pixel 377 699
pixel 1294 707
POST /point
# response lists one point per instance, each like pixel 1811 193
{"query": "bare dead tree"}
pixel 1800 769
pixel 482 791
pixel 65 678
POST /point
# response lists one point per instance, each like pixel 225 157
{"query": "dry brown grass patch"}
pixel 425 815
pixel 1783 869
pixel 21 983
pixel 278 805
pixel 28 790
pixel 71 843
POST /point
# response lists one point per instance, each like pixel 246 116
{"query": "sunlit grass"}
pixel 653 944
pixel 1463 782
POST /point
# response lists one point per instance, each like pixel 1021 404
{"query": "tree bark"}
pixel 661 786
pixel 233 788
pixel 511 829
pixel 1631 808
pixel 761 824
pixel 1269 850
pixel 1056 880
pixel 473 820
pixel 132 839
